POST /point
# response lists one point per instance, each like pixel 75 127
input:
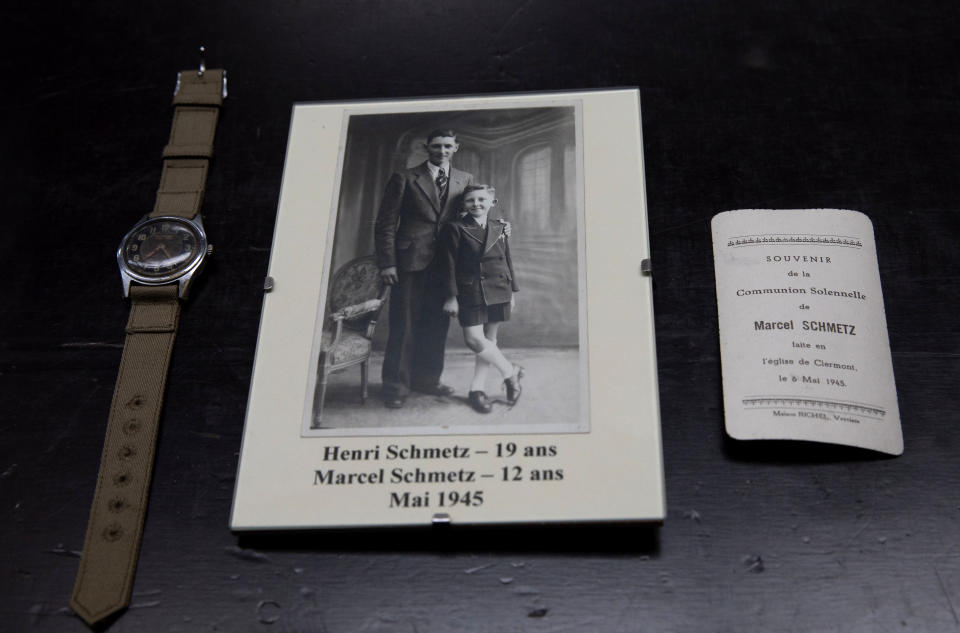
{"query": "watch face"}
pixel 161 249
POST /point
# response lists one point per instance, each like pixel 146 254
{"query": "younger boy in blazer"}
pixel 478 269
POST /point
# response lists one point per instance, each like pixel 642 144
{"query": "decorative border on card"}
pixel 799 239
pixel 799 402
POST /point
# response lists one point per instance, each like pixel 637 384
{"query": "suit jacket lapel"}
pixel 428 186
pixel 495 229
pixel 458 180
pixel 473 231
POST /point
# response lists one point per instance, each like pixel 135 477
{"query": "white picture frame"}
pixel 582 444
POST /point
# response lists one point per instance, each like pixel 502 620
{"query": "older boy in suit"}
pixel 415 204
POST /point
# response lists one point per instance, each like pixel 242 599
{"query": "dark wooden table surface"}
pixel 849 104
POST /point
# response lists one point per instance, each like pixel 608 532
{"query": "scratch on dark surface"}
pixel 246 554
pixel 60 550
pixel 149 592
pixel 93 344
pixel 474 570
pixel 827 552
pixel 754 563
pixel 66 430
pixel 209 436
pixel 145 605
pixel 503 57
pixel 512 18
pixel 525 590
pixel 692 514
pixel 9 471
pixel 946 594
pixel 860 531
pixel 538 613
pixel 122 90
pixel 38 610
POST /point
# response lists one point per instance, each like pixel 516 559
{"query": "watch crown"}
pixel 209 249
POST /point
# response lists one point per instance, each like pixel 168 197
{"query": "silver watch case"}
pixel 182 273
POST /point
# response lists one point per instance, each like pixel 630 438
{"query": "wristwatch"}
pixel 158 259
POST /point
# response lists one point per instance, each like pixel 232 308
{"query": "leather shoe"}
pixel 394 402
pixel 512 385
pixel 438 389
pixel 479 401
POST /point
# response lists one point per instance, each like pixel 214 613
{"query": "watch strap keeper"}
pixel 182 184
pixel 192 132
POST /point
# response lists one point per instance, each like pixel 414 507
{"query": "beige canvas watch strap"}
pixel 105 578
pixel 108 563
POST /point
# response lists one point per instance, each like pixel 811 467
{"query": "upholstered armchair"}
pixel 356 297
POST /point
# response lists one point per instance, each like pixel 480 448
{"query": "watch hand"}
pixel 160 247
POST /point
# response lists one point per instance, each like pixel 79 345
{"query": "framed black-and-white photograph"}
pixel 398 365
pixel 459 325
